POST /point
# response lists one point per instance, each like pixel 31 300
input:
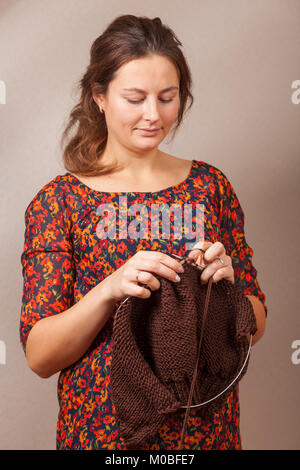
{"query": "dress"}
pixel 67 251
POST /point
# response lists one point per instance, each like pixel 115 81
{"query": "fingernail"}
pixel 177 278
pixel 181 270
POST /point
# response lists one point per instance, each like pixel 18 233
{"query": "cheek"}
pixel 169 115
pixel 170 111
pixel 124 115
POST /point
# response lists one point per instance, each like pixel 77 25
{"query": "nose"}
pixel 151 112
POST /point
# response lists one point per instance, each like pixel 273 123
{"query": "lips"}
pixel 148 132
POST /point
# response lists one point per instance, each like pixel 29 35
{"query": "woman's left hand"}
pixel 213 257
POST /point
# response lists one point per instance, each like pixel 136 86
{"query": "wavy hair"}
pixel 128 37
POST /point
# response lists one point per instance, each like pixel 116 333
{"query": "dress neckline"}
pixel 79 183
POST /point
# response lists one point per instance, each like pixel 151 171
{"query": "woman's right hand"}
pixel 123 282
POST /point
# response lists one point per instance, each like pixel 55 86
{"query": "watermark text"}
pixel 295 98
pixel 2 352
pixel 2 92
pixel 295 358
pixel 142 218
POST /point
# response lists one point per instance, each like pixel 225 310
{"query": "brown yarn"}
pixel 157 342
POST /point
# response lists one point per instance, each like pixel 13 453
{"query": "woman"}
pixel 76 272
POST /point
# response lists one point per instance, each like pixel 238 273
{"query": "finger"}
pixel 215 250
pixel 165 259
pixel 224 273
pixel 158 267
pixel 216 272
pixel 138 291
pixel 135 289
pixel 147 278
pixel 198 247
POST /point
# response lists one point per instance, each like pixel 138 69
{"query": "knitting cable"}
pixel 228 386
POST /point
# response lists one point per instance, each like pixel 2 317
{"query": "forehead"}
pixel 147 73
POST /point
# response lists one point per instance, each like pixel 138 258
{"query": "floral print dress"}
pixel 74 238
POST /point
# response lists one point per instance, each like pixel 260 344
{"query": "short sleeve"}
pixel 233 238
pixel 47 261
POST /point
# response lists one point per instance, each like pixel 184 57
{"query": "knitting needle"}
pixel 179 257
pixel 189 261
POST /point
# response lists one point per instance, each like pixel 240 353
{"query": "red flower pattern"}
pixel 63 259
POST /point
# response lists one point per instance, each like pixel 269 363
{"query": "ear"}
pixel 97 97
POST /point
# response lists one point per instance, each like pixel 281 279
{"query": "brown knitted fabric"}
pixel 155 351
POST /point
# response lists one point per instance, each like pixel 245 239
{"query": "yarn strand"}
pixel 196 366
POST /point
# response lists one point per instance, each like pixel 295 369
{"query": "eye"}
pixel 139 101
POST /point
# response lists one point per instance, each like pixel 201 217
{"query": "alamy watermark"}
pixel 295 98
pixel 2 92
pixel 138 228
pixel 2 352
pixel 295 357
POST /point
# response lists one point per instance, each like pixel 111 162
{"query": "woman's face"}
pixel 128 110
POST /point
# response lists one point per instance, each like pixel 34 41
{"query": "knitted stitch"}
pixel 155 351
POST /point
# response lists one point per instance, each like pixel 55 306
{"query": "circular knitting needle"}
pixel 228 386
pixel 184 259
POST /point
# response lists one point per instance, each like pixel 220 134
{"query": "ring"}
pixel 221 260
pixel 137 276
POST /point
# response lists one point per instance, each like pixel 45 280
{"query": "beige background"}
pixel 244 57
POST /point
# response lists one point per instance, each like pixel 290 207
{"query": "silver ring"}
pixel 221 261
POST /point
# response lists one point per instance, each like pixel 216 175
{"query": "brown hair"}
pixel 128 37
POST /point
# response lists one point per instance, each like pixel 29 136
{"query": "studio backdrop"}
pixel 244 58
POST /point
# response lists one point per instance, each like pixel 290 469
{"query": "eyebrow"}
pixel 143 91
